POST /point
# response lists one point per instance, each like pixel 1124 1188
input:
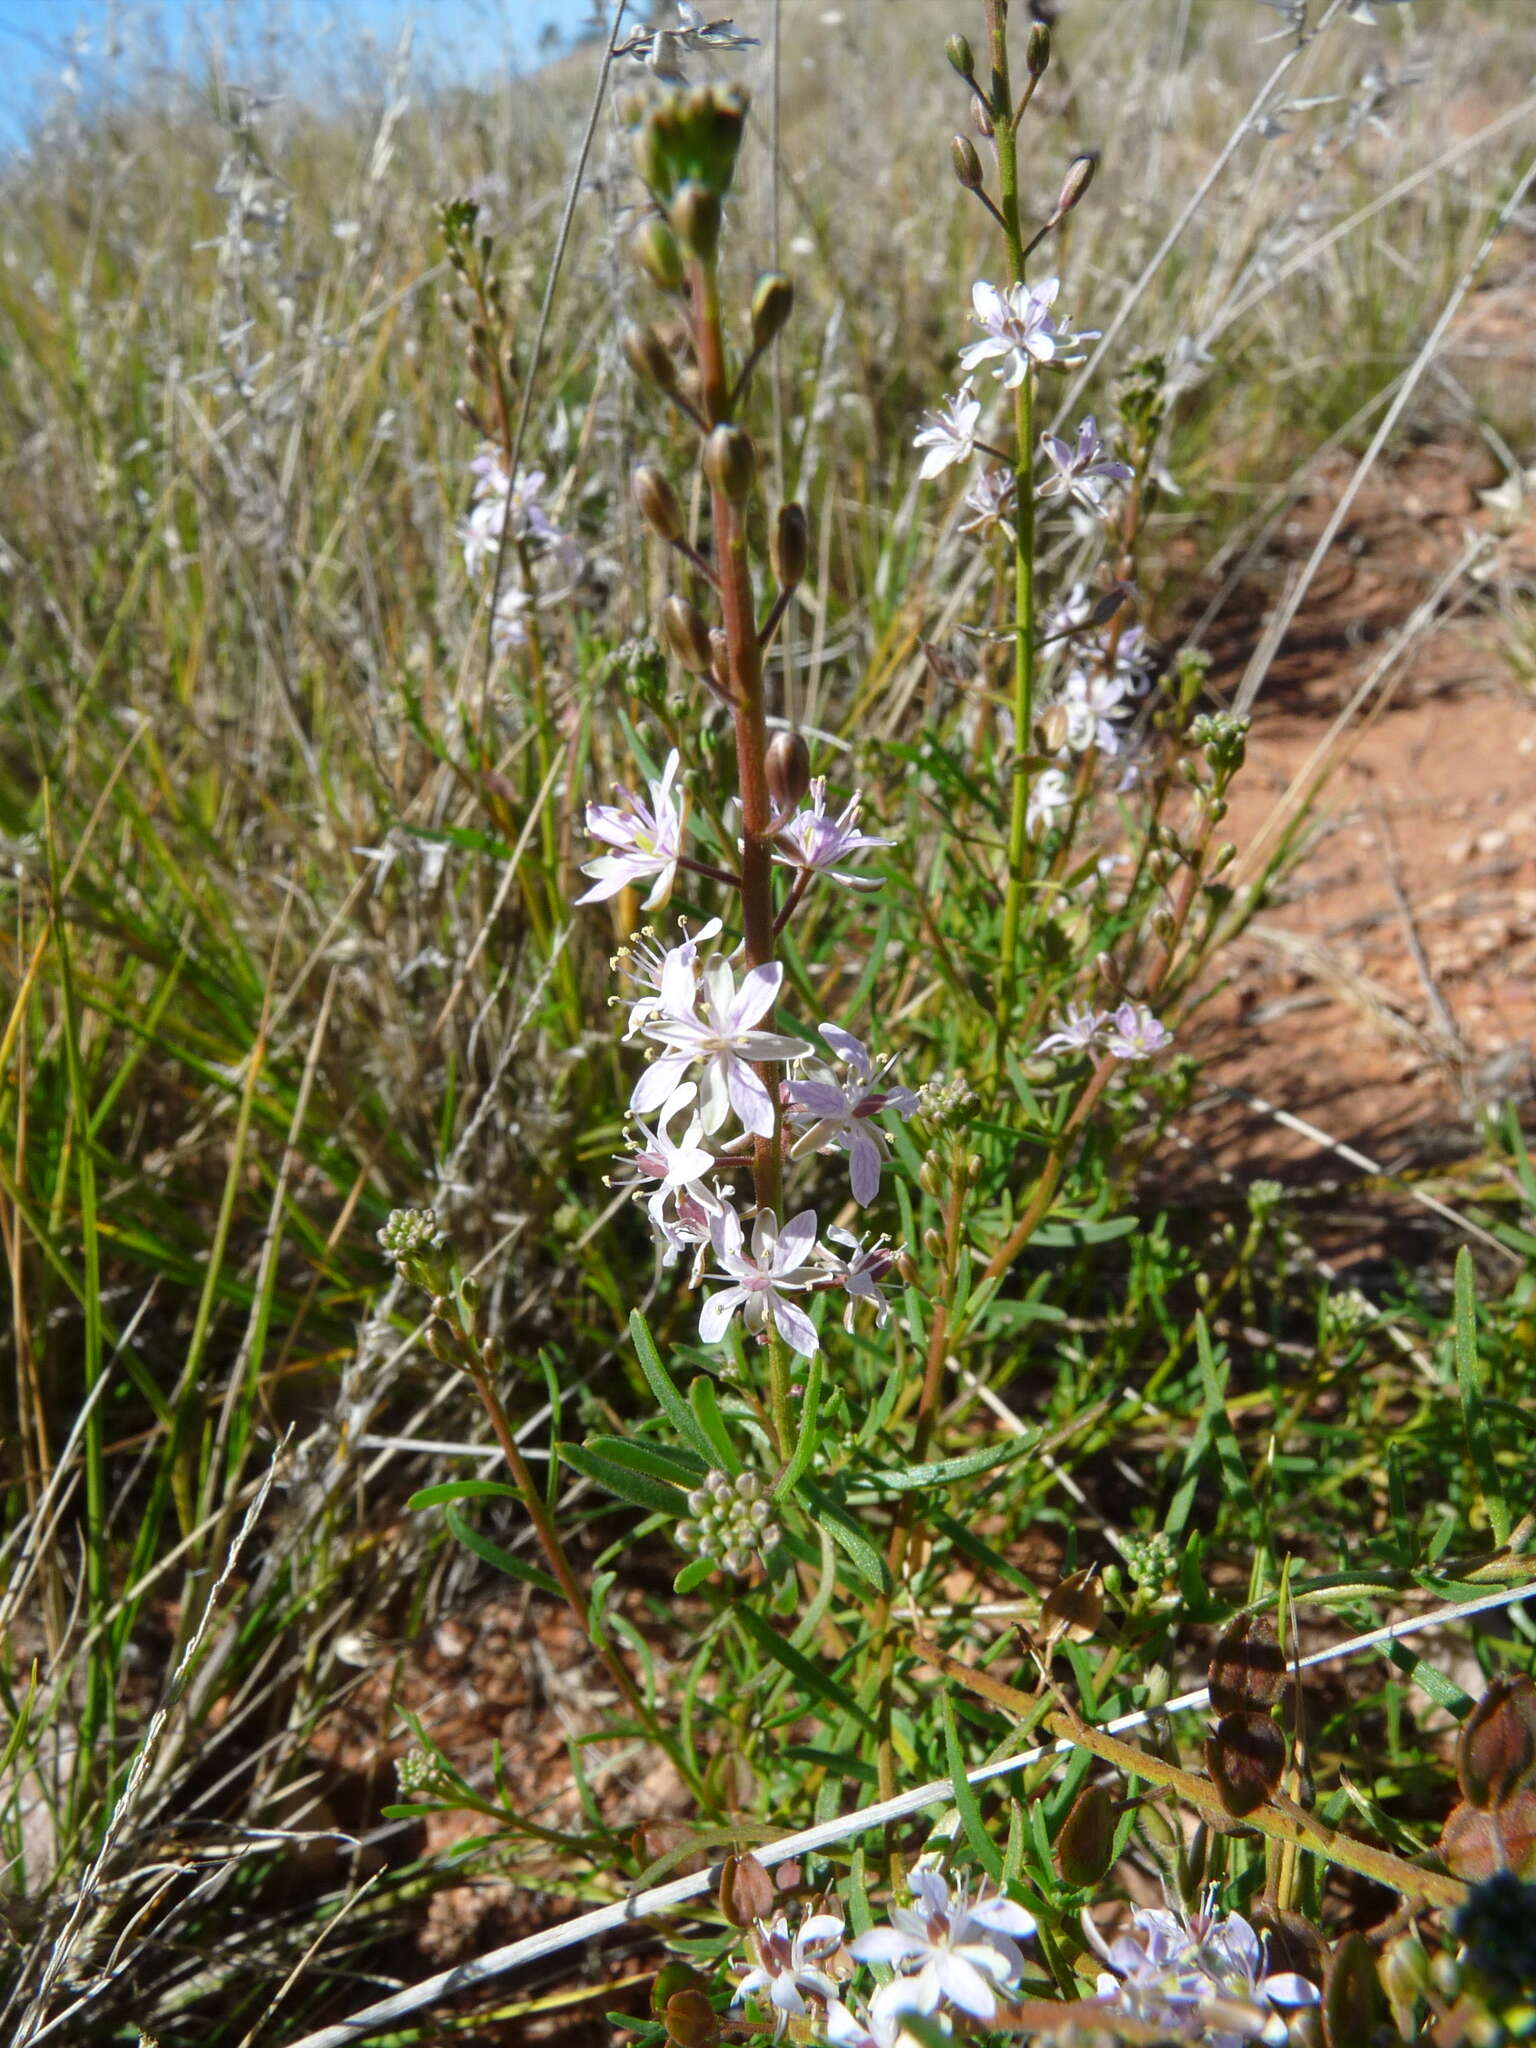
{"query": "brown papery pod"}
pixel 1245 1755
pixel 1474 1844
pixel 1352 2001
pixel 1075 1609
pixel 746 1891
pixel 1496 1750
pixel 1085 1842
pixel 691 2021
pixel 1247 1669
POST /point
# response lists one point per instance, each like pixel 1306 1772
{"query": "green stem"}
pixel 1004 121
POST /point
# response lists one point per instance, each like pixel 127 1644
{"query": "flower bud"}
pixel 471 418
pixel 773 300
pixel 1054 723
pixel 656 251
pixel 649 357
pixel 961 57
pixel 962 154
pixel 657 502
pixel 1079 177
pixel 788 766
pixel 475 363
pixel 686 635
pixel 933 1243
pixel 1037 54
pixel 441 1345
pixel 720 661
pixel 981 118
pixel 790 545
pixel 696 214
pixel 730 462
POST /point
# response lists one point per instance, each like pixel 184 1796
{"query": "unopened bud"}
pixel 930 1179
pixel 686 635
pixel 961 57
pixel 474 360
pixel 720 660
pixel 471 418
pixel 649 357
pixel 906 1266
pixel 696 221
pixel 933 1243
pixel 657 502
pixel 962 154
pixel 981 118
pixel 790 545
pixel 1054 724
pixel 1037 54
pixel 470 1291
pixel 440 1343
pixel 773 300
pixel 788 767
pixel 1079 177
pixel 973 1168
pixel 730 462
pixel 656 252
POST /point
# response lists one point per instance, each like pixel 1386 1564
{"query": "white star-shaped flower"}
pixel 839 1109
pixel 762 1279
pixel 647 840
pixel 703 1018
pixel 949 435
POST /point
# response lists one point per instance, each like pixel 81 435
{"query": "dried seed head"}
pixel 746 1891
pixel 649 357
pixel 1075 1608
pixel 1247 1669
pixel 730 462
pixel 656 252
pixel 686 635
pixel 790 545
pixel 1245 1755
pixel 788 766
pixel 696 216
pixel 657 502
pixel 962 154
pixel 1079 177
pixel 773 300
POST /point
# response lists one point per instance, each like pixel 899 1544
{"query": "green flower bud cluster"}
pixel 1151 1560
pixel 692 141
pixel 1222 736
pixel 946 1102
pixel 420 1775
pixel 732 1521
pixel 416 1242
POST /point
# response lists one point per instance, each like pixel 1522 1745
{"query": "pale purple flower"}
pixel 644 961
pixel 1079 1031
pixel 647 838
pixel 1084 470
pixel 838 1109
pixel 762 1279
pixel 815 844
pixel 1093 703
pixel 963 1951
pixel 704 1018
pixel 1201 1977
pixel 990 502
pixel 677 1166
pixel 950 433
pixel 1133 1033
pixel 789 1967
pixel 1049 795
pixel 510 625
pixel 1018 328
pixel 879 2024
pixel 498 504
pixel 859 1273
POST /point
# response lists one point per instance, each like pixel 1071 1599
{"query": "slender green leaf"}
pixel 665 1388
pixel 806 1675
pixel 638 1488
pixel 462 1489
pixel 1469 1378
pixel 848 1536
pixel 492 1554
pixel 966 1802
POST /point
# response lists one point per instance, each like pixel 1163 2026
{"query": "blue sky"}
pixel 456 38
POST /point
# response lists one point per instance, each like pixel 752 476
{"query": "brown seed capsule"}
pixel 1075 1608
pixel 790 545
pixel 1085 1842
pixel 773 300
pixel 649 357
pixel 691 2021
pixel 687 636
pixel 1496 1751
pixel 788 766
pixel 962 154
pixel 1079 177
pixel 746 1891
pixel 1352 1998
pixel 657 502
pixel 1247 1667
pixel 730 462
pixel 1245 1754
